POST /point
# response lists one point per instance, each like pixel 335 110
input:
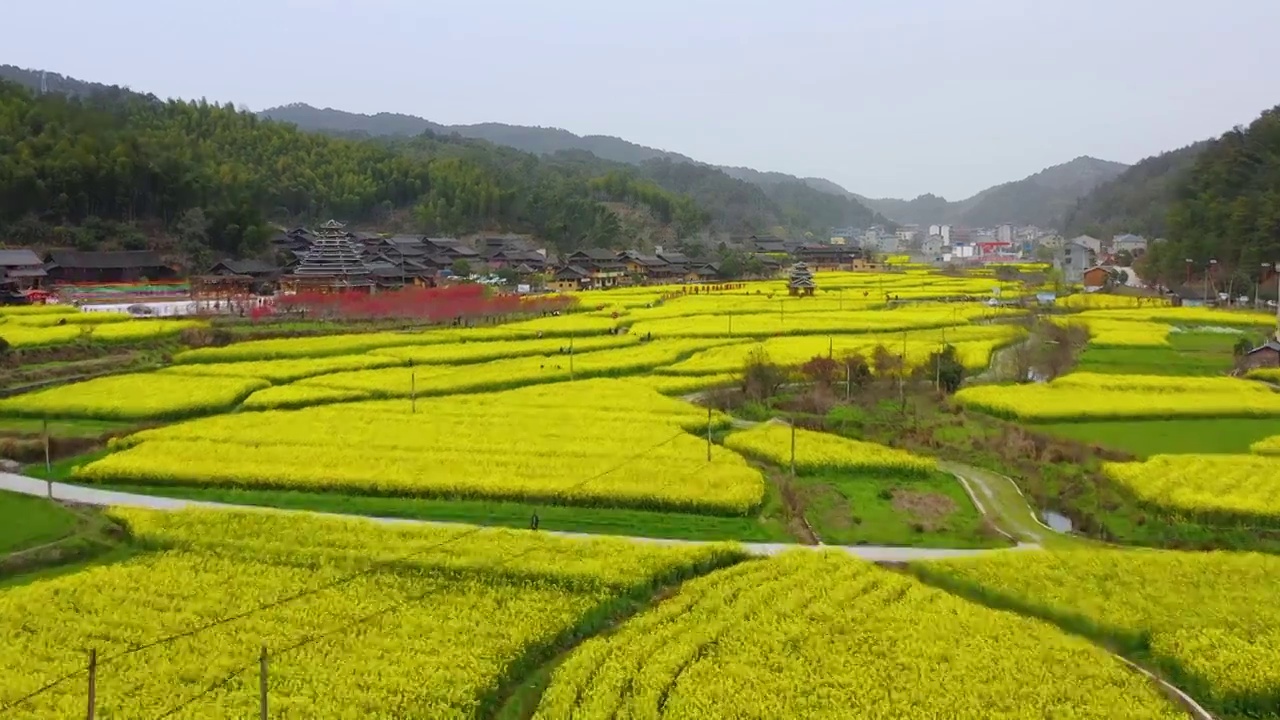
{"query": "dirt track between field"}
pixel 107 498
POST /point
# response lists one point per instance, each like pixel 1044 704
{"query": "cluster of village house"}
pixel 333 258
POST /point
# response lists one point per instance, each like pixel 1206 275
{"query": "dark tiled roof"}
pixel 571 271
pixel 19 258
pixel 105 260
pixel 1268 345
pixel 246 267
pixel 596 254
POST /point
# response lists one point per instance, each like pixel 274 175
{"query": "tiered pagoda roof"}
pixel 333 255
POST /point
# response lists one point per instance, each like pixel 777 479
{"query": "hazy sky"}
pixel 886 97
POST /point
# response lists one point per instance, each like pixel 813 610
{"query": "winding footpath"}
pixel 103 498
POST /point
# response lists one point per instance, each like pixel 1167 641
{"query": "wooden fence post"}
pixel 793 447
pixel 262 682
pixel 93 680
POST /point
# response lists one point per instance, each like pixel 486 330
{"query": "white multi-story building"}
pixel 945 232
pixel 1004 233
pixel 935 230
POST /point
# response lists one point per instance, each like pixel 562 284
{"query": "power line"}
pixel 190 632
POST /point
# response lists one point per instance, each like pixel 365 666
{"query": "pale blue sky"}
pixel 886 97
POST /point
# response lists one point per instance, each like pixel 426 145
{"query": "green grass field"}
pixel 1144 438
pixel 1188 354
pixel 61 428
pixel 27 521
pixel 866 509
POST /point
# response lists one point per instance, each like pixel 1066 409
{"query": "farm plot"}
pixel 619 445
pixel 1089 397
pixel 860 492
pixel 20 334
pixel 140 396
pixel 812 323
pixel 811 635
pixel 514 372
pixel 1210 620
pixel 358 619
pixel 1241 488
pixel 1186 316
pixel 823 452
pixel 473 351
pixel 974 345
pixel 284 371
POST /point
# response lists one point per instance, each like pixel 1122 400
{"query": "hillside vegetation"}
pixel 1226 207
pixel 1137 201
pixel 1039 199
pixel 808 204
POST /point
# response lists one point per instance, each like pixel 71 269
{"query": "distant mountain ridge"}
pixel 537 140
pixel 1136 201
pixel 813 198
pixel 1042 199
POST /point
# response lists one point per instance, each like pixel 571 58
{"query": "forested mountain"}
pixel 1040 199
pixel 537 140
pixel 814 204
pixel 1137 201
pixel 1226 207
pixel 90 170
pixel 113 168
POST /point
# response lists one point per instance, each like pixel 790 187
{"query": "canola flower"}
pixel 1209 620
pixel 974 345
pixel 1245 487
pixel 1186 316
pixel 299 396
pixel 138 396
pixel 1107 301
pixel 822 452
pixel 1266 446
pixel 617 445
pixel 471 352
pixel 18 332
pixel 514 372
pixel 1088 396
pixel 823 635
pixel 814 323
pixel 283 371
pixel 397 641
pixel 1105 332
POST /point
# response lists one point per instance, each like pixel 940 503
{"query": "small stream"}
pixel 1057 521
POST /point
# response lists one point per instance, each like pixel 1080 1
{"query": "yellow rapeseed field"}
pixel 600 443
pixel 1187 316
pixel 283 371
pixel 1210 620
pixel 139 396
pixel 822 635
pixel 1106 301
pixel 973 343
pixel 1266 446
pixel 1237 486
pixel 514 372
pixel 1089 396
pixel 299 396
pixel 824 452
pixel 428 630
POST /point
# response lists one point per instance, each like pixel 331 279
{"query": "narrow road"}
pixel 104 498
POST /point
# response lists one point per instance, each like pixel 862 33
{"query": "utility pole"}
pixel 93 681
pixel 708 434
pixel 262 683
pixel 793 447
pixel 413 392
pixel 570 357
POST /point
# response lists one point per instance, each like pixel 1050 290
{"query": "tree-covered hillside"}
pixel 1137 201
pixel 1226 207
pixel 1040 199
pixel 799 205
pixel 90 170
